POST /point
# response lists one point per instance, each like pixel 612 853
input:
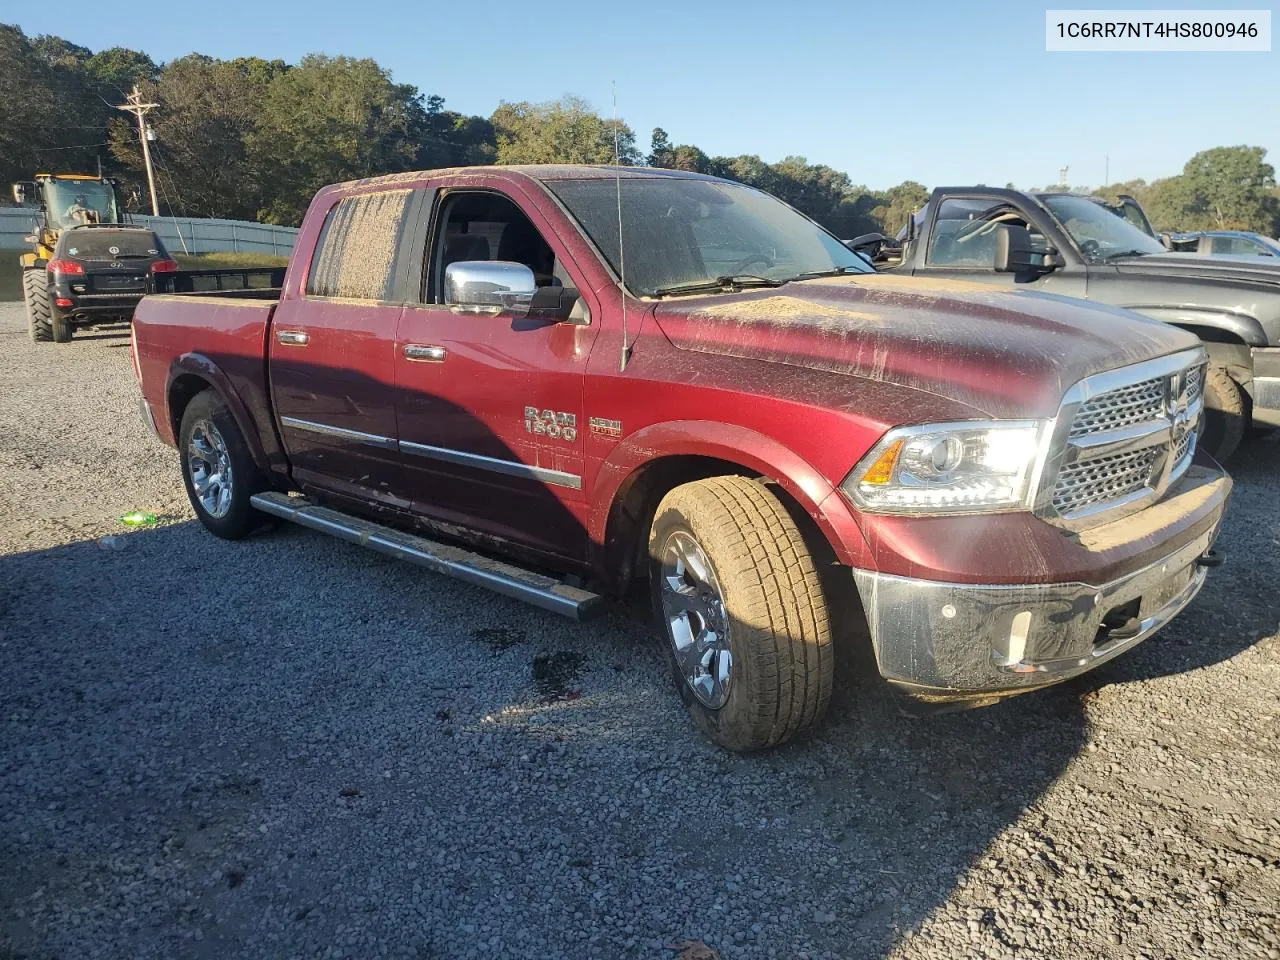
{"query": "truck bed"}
pixel 220 337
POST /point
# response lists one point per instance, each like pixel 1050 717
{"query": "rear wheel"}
pixel 1226 414
pixel 217 469
pixel 35 294
pixel 746 621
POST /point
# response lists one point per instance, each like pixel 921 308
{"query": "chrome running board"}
pixel 512 581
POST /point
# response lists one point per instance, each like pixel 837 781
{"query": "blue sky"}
pixel 935 92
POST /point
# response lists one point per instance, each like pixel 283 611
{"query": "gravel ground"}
pixel 288 747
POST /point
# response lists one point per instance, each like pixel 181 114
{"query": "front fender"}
pixel 1240 325
pixel 199 365
pixel 738 445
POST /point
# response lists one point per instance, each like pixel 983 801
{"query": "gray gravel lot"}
pixel 288 747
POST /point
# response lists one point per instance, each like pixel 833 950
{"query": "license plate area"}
pixel 118 283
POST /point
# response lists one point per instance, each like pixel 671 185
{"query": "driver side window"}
pixel 488 226
pixel 964 235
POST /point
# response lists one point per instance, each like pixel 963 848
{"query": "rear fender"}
pixel 198 365
pixel 746 448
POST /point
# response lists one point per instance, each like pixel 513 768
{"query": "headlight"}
pixel 939 468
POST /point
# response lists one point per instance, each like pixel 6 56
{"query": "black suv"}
pixel 97 275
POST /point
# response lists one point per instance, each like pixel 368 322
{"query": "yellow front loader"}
pixel 63 200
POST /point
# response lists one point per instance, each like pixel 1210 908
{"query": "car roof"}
pixel 541 172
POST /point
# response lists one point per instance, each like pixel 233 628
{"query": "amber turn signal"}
pixel 881 471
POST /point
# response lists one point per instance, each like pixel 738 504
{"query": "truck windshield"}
pixel 73 202
pixel 1098 232
pixel 679 232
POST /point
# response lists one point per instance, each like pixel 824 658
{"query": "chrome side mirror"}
pixel 489 287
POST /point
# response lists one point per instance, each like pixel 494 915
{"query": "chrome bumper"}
pixel 958 641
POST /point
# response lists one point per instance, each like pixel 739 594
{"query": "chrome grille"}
pixel 1126 436
pixel 1195 383
pixel 1186 446
pixel 1087 482
pixel 1120 408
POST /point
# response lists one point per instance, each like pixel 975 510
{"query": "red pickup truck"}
pixel 562 382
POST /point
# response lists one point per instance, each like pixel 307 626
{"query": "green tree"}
pixel 898 204
pixel 47 119
pixel 1231 188
pixel 449 139
pixel 661 153
pixel 560 131
pixel 116 70
pixel 330 119
pixel 690 158
pixel 207 112
pixel 1168 203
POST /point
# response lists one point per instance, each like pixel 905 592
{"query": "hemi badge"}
pixel 605 428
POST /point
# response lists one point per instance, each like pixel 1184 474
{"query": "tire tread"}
pixel 757 546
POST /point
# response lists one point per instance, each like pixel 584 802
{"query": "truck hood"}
pixel 1264 270
pixel 1008 354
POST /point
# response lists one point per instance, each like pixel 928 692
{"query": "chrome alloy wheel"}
pixel 696 621
pixel 209 464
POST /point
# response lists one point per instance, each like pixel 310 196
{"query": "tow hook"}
pixel 1210 558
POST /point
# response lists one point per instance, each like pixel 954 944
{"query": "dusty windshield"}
pixel 72 203
pixel 1099 233
pixel 680 232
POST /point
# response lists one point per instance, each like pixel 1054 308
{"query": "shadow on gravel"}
pixel 183 743
pixel 199 735
pixel 109 333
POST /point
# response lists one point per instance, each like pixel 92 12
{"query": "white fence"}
pixel 180 234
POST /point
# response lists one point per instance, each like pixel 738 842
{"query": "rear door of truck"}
pixel 332 349
pixel 490 407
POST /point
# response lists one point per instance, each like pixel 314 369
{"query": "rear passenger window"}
pixel 355 256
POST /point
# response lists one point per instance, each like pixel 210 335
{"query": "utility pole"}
pixel 1062 176
pixel 1106 177
pixel 133 104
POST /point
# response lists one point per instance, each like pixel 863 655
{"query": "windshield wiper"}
pixel 833 272
pixel 735 282
pixel 1117 254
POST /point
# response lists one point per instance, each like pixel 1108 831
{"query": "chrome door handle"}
pixel 293 338
pixel 423 353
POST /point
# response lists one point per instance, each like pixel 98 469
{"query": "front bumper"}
pixel 958 641
pixel 1266 385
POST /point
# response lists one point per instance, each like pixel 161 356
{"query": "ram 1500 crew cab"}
pixel 484 371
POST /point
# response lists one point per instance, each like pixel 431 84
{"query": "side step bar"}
pixel 512 581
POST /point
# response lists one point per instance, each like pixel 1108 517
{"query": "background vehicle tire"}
pixel 217 469
pixel 732 577
pixel 1226 414
pixel 35 294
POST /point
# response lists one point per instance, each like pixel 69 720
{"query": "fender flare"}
pixel 738 445
pixel 199 365
pixel 1241 325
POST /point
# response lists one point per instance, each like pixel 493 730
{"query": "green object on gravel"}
pixel 139 519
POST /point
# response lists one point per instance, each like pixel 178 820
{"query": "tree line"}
pixel 254 139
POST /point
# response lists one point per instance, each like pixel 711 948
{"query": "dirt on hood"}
pixel 1007 353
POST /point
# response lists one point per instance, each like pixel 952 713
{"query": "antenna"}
pixel 622 250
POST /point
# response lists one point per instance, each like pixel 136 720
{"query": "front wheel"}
pixel 1226 414
pixel 747 627
pixel 217 469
